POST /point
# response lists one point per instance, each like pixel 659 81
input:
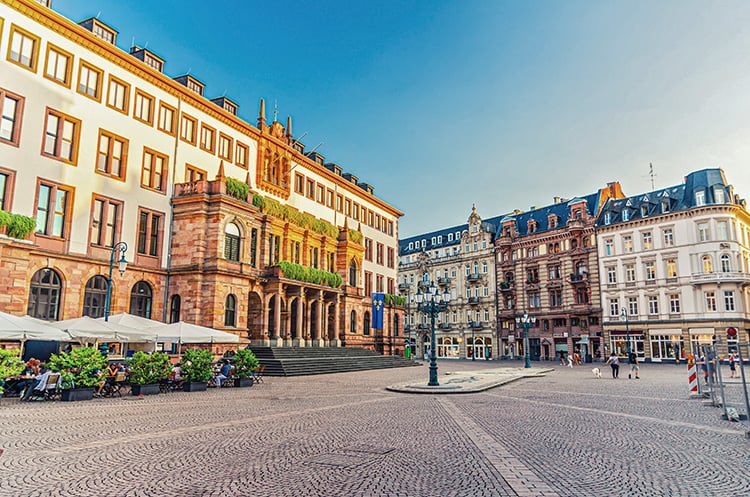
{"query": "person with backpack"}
pixel 634 367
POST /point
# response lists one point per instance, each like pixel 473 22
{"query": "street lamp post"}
pixel 526 321
pixel 624 314
pixel 431 302
pixel 122 264
pixel 473 350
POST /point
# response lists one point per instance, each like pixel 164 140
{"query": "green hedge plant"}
pixel 79 367
pixel 237 189
pixel 196 365
pixel 10 365
pixel 244 363
pixel 16 225
pixel 148 369
pixel 310 275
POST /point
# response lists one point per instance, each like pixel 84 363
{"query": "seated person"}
pixel 224 373
pixel 41 383
pixel 102 382
pixel 17 386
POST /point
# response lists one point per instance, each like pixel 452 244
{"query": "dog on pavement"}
pixel 597 372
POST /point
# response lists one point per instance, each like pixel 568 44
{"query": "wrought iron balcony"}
pixel 445 326
pixel 473 277
pixel 444 281
pixel 474 300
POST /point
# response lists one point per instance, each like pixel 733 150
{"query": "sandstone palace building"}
pixel 228 224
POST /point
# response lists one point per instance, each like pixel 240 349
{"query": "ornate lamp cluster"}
pixel 431 302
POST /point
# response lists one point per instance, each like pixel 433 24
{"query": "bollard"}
pixel 693 379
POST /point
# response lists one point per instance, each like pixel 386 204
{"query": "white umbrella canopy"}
pixel 95 329
pixel 132 321
pixel 182 332
pixel 25 328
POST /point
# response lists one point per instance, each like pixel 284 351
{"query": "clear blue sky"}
pixel 441 104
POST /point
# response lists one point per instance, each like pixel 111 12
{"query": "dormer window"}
pixel 644 210
pixel 625 215
pixel 474 228
pixel 607 218
pixel 552 221
pixel 100 30
pixel 450 237
pixel 664 206
pixel 718 195
pixel 194 86
pixel 153 62
pixel 700 198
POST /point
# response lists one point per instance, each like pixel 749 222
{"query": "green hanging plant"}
pixel 355 236
pixel 237 189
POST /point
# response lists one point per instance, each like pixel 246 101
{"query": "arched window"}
pixel 44 295
pixel 476 267
pixel 232 242
pixel 95 297
pixel 174 310
pixel 708 266
pixel 353 274
pixel 140 300
pixel 725 266
pixel 366 329
pixel 353 322
pixel 230 311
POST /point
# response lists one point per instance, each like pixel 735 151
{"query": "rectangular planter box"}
pixel 151 389
pixel 77 394
pixel 243 382
pixel 195 386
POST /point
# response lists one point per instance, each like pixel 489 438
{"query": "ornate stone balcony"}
pixel 728 277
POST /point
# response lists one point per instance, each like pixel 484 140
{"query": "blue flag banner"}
pixel 378 301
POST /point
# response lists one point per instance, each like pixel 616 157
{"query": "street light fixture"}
pixel 624 314
pixel 122 264
pixel 432 302
pixel 525 321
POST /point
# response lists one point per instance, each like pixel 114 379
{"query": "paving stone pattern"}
pixel 564 434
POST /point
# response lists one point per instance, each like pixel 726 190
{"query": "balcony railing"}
pixel 728 277
pixel 477 325
pixel 506 286
pixel 473 277
pixel 403 286
pixel 474 300
pixel 579 278
pixel 444 281
pixel 445 326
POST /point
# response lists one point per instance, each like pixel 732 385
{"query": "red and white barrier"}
pixel 693 378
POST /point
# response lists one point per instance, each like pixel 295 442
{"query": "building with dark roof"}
pixel 674 268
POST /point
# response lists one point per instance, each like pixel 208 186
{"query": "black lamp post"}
pixel 525 321
pixel 624 314
pixel 431 302
pixel 473 350
pixel 122 264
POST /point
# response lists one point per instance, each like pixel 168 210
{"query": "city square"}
pixel 565 433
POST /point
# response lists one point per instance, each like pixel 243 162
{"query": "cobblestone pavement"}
pixel 564 434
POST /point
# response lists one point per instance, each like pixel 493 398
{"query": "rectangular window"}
pixel 722 232
pixel 118 95
pixel 7 179
pixel 611 275
pixel 609 247
pixel 674 303
pixel 166 118
pixel 629 273
pixel 710 301
pixel 729 301
pixel 614 307
pixel 299 183
pixel 24 48
pixel 320 194
pixel 339 203
pixel 648 242
pixel 58 66
pixel 368 284
pixel 329 198
pixel 650 270
pixel 11 109
pixel 668 237
pixel 225 147
pixel 154 174
pixel 105 222
pixel 52 209
pixel 208 138
pixel 310 191
pixel 143 107
pixel 241 155
pixel 347 207
pixel 355 211
pixel 653 304
pixel 193 173
pixel 61 137
pixel 379 253
pixel 90 81
pixel 149 232
pixel 671 268
pixel 633 306
pixel 703 234
pixel 391 257
pixel 700 198
pixel 112 155
pixel 187 128
pixel 627 242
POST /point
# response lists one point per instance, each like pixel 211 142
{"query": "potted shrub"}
pixel 147 370
pixel 196 369
pixel 10 365
pixel 82 370
pixel 244 363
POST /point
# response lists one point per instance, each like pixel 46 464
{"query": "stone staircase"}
pixel 291 361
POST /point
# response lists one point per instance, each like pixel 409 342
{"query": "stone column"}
pixel 318 340
pixel 276 340
pixel 336 341
pixel 300 340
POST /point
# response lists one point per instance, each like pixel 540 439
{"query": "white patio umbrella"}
pixel 23 328
pixel 95 329
pixel 132 321
pixel 182 332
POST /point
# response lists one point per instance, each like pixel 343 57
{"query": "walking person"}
pixel 570 361
pixel 614 363
pixel 634 367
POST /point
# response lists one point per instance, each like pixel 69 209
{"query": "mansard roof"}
pixel 703 187
pixel 488 225
pixel 541 216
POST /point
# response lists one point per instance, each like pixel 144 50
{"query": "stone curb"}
pixel 454 382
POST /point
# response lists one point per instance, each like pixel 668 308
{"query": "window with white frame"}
pixel 729 300
pixel 653 304
pixel 668 237
pixel 614 307
pixel 674 303
pixel 609 247
pixel 671 268
pixel 710 301
pixel 725 265
pixel 627 243
pixel 650 270
pixel 611 275
pixel 633 306
pixel 700 198
pixel 648 242
pixel 708 265
pixel 721 231
pixel 630 273
pixel 718 195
